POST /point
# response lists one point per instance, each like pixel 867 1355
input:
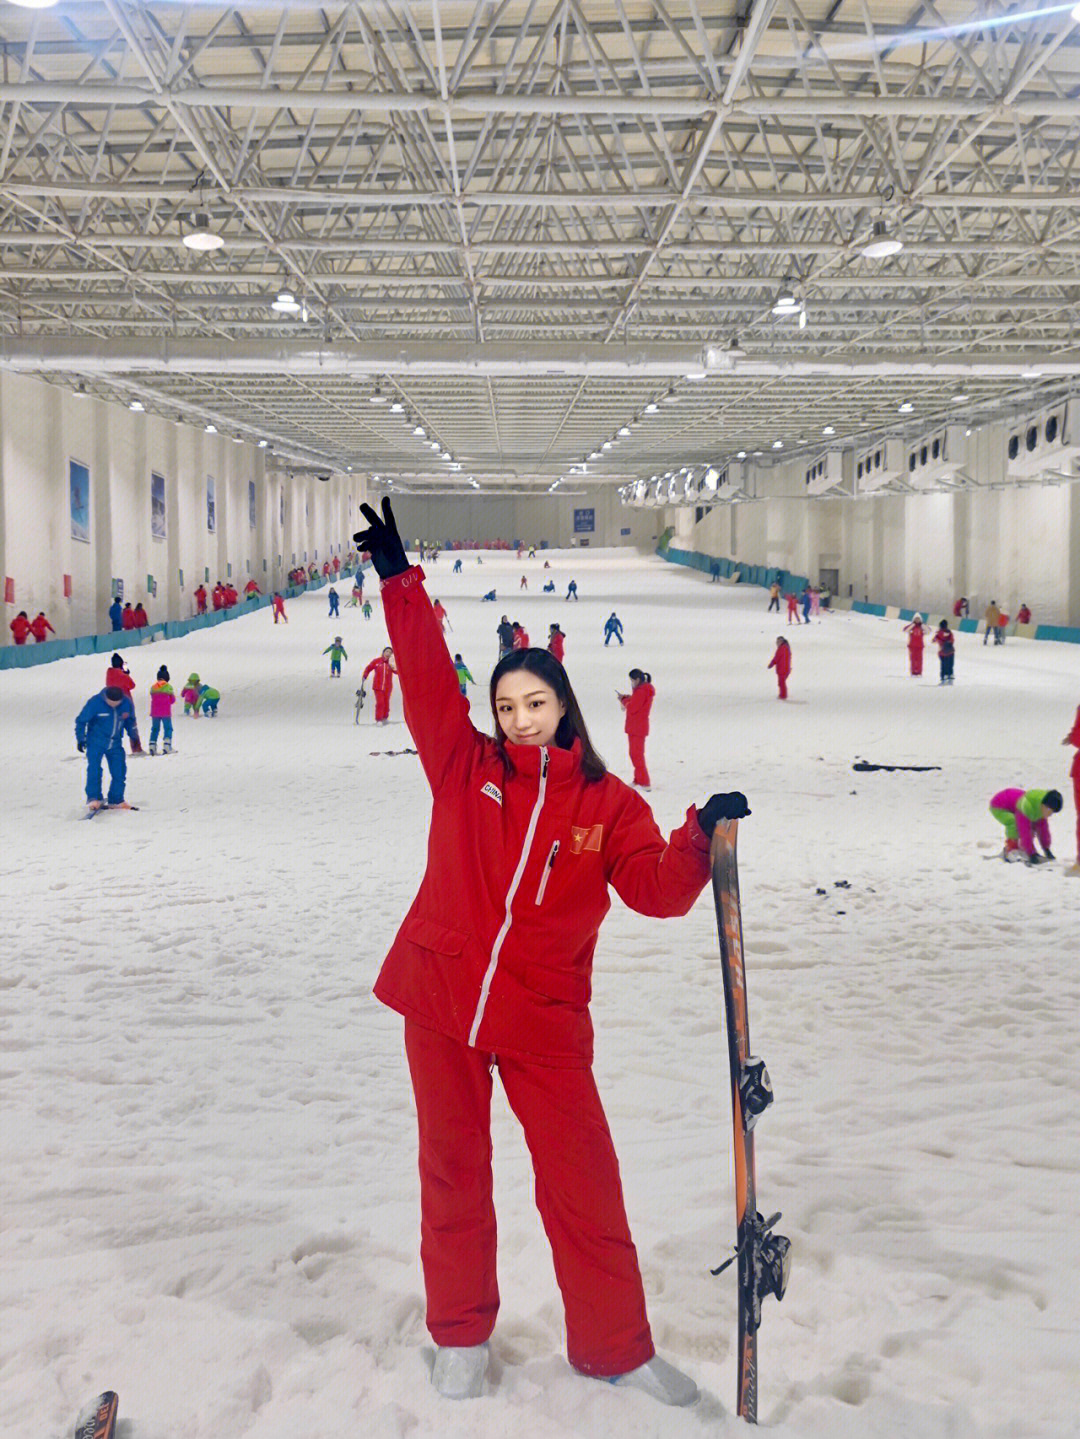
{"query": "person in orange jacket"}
pixel 20 628
pixel 491 970
pixel 382 667
pixel 38 627
pixel 638 705
pixel 1073 738
pixel 781 663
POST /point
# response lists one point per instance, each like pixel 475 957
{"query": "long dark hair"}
pixel 544 665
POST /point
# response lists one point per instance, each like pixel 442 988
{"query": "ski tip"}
pixel 98 1420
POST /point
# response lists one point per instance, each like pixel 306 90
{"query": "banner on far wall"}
pixel 584 522
pixel 211 507
pixel 157 507
pixel 79 494
pixel 251 504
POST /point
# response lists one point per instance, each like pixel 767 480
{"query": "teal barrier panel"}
pixel 86 644
pixel 862 608
pixel 969 627
pixel 1064 634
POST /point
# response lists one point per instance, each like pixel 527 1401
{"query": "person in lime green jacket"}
pixel 1026 817
pixel 336 651
pixel 208 699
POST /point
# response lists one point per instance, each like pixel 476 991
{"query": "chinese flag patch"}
pixel 585 839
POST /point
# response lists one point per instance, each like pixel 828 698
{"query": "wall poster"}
pixel 211 506
pixel 251 504
pixel 79 496
pixel 157 506
pixel 584 522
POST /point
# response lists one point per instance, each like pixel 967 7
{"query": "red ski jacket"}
pixel 383 683
pixel 20 628
pixel 496 950
pixel 120 678
pixel 557 645
pixel 781 661
pixel 38 625
pixel 637 704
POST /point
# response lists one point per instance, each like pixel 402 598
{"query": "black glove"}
pixel 80 745
pixel 722 806
pixel 382 541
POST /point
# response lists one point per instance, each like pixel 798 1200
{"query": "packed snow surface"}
pixel 209 1189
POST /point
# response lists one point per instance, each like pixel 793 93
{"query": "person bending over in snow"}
pixel 491 971
pixel 99 734
pixel 1026 817
pixel 209 699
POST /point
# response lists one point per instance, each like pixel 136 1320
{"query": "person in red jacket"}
pixel 781 663
pixel 140 617
pixel 1073 738
pixel 119 676
pixel 251 589
pixel 521 637
pixel 382 666
pixel 1023 615
pixel 916 640
pixel 491 970
pixel 38 627
pixel 20 628
pixel 278 604
pixel 128 618
pixel 637 705
pixel 200 600
pixel 793 608
pixel 556 642
pixel 441 615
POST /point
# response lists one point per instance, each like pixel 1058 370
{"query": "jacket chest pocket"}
pixel 545 874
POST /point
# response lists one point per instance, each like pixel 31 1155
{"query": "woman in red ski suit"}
pixel 557 642
pixel 781 663
pixel 637 705
pixel 1073 738
pixel 916 639
pixel 491 969
pixel 383 683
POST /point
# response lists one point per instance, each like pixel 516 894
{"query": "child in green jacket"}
pixel 336 651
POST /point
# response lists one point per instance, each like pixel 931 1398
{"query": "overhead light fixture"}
pixel 786 302
pixel 34 4
pixel 376 397
pixel 778 444
pixel 1034 374
pixel 881 244
pixel 607 444
pixel 697 373
pixel 624 430
pixel 595 455
pixel 960 399
pixel 671 398
pixel 741 455
pixel 200 236
pixel 419 430
pixel 211 429
pixel 829 430
pixel 80 390
pixel 286 303
pixel 397 408
pixel 263 444
pixel 906 408
pixel 136 405
pixel 446 455
pixel 651 408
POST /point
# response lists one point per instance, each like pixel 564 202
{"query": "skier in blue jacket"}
pixel 613 629
pixel 99 734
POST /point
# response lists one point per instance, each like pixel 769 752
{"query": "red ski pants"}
pixel 781 680
pixel 1076 803
pixel 636 743
pixel 915 656
pixel 382 705
pixel 578 1194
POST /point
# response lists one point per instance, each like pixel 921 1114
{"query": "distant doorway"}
pixel 829 580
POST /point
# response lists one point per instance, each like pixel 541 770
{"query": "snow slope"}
pixel 209 1197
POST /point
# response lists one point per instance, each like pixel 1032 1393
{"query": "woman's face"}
pixel 528 708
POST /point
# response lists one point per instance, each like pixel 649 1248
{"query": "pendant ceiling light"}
pixel 881 245
pixel 199 234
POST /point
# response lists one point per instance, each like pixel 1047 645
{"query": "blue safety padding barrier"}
pixel 1064 634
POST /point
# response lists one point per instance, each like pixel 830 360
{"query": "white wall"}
pixel 43 427
pixel 996 541
pixel 510 517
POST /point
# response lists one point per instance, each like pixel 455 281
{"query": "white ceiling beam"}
pixel 90 96
pixel 307 357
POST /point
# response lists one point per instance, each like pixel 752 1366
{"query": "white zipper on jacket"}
pixel 530 835
pixel 549 865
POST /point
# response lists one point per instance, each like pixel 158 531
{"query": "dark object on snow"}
pixel 721 806
pixel 863 765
